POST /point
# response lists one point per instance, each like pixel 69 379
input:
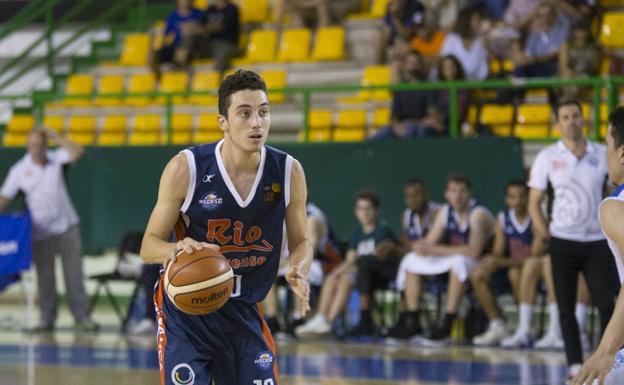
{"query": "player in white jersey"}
pixel 601 366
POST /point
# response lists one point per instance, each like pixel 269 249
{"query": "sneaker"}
pixel 42 328
pixel 550 341
pixel 518 340
pixel 438 339
pixel 316 325
pixel 86 326
pixel 493 336
pixel 406 327
pixel 143 328
pixel 364 328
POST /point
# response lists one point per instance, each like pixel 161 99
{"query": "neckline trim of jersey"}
pixel 228 182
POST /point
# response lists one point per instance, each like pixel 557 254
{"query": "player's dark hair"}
pixel 415 182
pixel 458 178
pixel 516 183
pixel 616 120
pixel 238 81
pixel 369 195
pixel 567 102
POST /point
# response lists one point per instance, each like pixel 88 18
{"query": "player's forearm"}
pixel 75 150
pixel 613 339
pixel 302 256
pixel 537 217
pixel 155 250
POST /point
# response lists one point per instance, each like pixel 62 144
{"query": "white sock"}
pixel 554 327
pixel 497 322
pixel 581 313
pixel 524 321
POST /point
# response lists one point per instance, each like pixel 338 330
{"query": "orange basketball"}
pixel 199 283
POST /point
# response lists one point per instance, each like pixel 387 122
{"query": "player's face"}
pixel 37 146
pixel 570 122
pixel 517 198
pixel 365 212
pixel 415 197
pixel 615 159
pixel 457 195
pixel 248 120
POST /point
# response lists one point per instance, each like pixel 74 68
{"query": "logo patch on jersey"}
pixel 264 360
pixel 593 161
pixel 182 374
pixel 271 193
pixel 559 164
pixel 208 178
pixel 211 201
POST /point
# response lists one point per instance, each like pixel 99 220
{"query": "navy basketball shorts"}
pixel 232 346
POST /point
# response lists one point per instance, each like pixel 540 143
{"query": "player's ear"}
pixel 620 153
pixel 223 123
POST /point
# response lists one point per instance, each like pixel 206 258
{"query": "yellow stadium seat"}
pixel 377 10
pixel 207 136
pixel 381 117
pixel 78 84
pixel 54 122
pixel 135 50
pixel 14 139
pixel 181 127
pixel 498 117
pixel 532 121
pixel 141 83
pixel 349 134
pixel 262 46
pixel 275 79
pixel 204 81
pixel 351 119
pixel 175 81
pixel 208 122
pixel 372 75
pixel 200 4
pixel 329 44
pixel 254 11
pixel 21 124
pixel 81 129
pixel 158 34
pixel 612 31
pixel 113 131
pixel 295 45
pixel 110 84
pixel 320 126
pixel 147 131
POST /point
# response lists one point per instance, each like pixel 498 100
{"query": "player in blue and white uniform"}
pixel 606 365
pixel 233 196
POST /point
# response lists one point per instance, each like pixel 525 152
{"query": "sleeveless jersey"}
pixel 328 250
pixel 249 231
pixel 518 237
pixel 457 234
pixel 618 194
pixel 411 222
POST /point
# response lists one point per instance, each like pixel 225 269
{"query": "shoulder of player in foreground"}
pixel 612 214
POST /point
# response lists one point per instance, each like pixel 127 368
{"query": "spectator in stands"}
pixel 149 277
pixel 466 44
pixel 400 17
pixel 55 229
pixel 218 37
pixel 179 33
pixel 313 13
pixel 428 38
pixel 413 112
pixel 495 8
pixel 417 220
pixel 450 69
pixel 362 261
pixel 445 12
pixel 519 13
pixel 460 234
pixel 580 56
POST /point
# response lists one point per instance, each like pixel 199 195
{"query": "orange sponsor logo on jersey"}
pixel 234 239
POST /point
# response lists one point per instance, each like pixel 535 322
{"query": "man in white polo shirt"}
pixel 39 175
pixel 576 169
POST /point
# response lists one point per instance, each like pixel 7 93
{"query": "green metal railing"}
pixel 610 84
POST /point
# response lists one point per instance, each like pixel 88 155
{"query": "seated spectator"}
pixel 445 12
pixel 580 56
pixel 417 219
pixel 427 38
pixel 180 28
pixel 450 69
pixel 519 13
pixel 460 234
pixel 413 112
pixel 218 38
pixel 400 17
pixel 466 44
pixel 362 262
pixel 310 13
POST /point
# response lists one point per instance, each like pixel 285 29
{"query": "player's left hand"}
pixel 300 286
pixel 595 368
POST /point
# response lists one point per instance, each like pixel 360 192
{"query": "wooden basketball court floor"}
pixel 108 357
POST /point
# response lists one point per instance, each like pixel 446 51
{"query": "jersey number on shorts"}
pixel 236 290
pixel 268 381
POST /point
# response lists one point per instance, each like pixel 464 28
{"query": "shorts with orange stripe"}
pixel 231 346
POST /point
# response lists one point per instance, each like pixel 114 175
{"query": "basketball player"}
pixel 601 364
pixel 234 196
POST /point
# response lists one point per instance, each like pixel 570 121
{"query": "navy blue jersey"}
pixel 250 232
pixel 457 234
pixel 518 236
pixel 412 225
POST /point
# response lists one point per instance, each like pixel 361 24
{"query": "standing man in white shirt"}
pixel 576 169
pixel 39 175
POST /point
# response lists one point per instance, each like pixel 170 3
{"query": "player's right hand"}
pixel 188 245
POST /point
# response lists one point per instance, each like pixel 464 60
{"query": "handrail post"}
pixel 453 115
pixel 169 118
pixel 306 115
pixel 596 101
pixel 49 43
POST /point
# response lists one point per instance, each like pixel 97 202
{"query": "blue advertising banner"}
pixel 15 245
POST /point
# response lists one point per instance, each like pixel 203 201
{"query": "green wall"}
pixel 114 189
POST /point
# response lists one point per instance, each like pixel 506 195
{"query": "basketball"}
pixel 199 283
